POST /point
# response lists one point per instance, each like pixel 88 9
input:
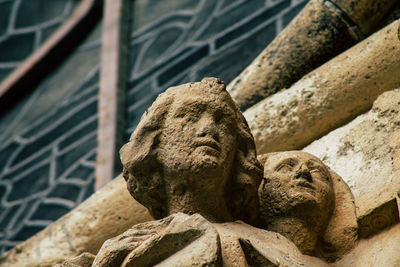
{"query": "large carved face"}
pixel 193 139
pixel 293 182
pixel 199 135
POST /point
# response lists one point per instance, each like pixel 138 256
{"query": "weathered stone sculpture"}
pixel 193 153
pixel 298 197
pixel 297 193
pixel 366 153
pixel 192 163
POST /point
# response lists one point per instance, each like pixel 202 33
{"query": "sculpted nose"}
pixel 303 172
pixel 207 127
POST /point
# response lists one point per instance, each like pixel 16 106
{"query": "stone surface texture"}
pixel 317 34
pixel 106 214
pixel 172 240
pixel 194 133
pixel 379 218
pixel 191 240
pixel 366 152
pixel 260 247
pixel 84 260
pixel 177 240
pixel 189 152
pixel 328 97
pixel 380 250
pixel 112 90
pixel 378 209
pixel 365 13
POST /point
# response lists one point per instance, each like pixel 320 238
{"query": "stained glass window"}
pixel 25 25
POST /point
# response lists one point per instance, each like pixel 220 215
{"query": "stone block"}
pixel 377 211
pixel 382 249
pixel 366 152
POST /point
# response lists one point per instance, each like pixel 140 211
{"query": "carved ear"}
pixel 341 232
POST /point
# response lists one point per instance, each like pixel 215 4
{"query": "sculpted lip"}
pixel 208 143
pixel 304 183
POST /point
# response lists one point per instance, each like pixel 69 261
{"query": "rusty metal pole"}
pixel 112 90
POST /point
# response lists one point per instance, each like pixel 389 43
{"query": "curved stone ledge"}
pixel 328 97
pixel 317 34
pixel 366 152
pixel 365 13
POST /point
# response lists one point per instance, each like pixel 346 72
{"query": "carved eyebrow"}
pixel 224 111
pixel 194 104
pixel 317 165
pixel 289 161
pixel 313 161
pixel 189 106
pixel 314 164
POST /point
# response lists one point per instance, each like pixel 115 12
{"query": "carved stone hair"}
pixel 143 169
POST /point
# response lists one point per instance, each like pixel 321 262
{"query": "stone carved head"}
pixel 296 182
pixel 193 148
pixel 301 198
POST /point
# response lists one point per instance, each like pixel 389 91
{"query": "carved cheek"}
pixel 280 181
pixel 324 191
pixel 228 142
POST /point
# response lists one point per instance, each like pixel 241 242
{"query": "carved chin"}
pixel 302 198
pixel 207 150
pixel 205 162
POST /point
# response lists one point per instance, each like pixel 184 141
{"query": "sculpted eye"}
pixel 186 115
pixel 179 115
pixel 316 173
pixel 218 115
pixel 193 116
pixel 285 167
pixel 228 123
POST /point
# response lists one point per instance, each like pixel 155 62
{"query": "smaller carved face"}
pixel 295 180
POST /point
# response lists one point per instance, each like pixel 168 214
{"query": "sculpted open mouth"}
pixel 304 183
pixel 207 143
